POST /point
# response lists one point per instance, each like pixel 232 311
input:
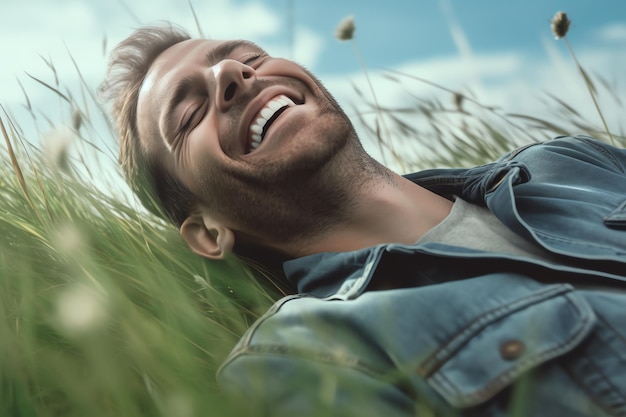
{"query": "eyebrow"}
pixel 224 49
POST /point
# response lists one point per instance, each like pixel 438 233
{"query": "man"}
pixel 511 301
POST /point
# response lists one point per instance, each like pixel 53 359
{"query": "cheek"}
pixel 201 155
pixel 202 140
pixel 209 178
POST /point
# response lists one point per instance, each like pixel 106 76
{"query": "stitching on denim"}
pixel 271 312
pixel 508 376
pixel 592 394
pixel 619 212
pixel 548 236
pixel 324 357
pixel 460 338
pixel 602 150
pixel 442 181
pixel 519 150
pixel 614 389
pixel 608 325
pixel 605 378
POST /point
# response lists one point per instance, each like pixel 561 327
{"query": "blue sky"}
pixel 502 51
pixel 390 32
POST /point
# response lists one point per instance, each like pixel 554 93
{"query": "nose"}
pixel 231 79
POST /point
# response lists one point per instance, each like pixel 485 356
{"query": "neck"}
pixel 390 210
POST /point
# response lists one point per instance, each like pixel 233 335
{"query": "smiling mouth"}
pixel 264 119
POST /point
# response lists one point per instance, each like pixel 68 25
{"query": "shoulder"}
pixel 301 327
pixel 579 149
pixel 378 350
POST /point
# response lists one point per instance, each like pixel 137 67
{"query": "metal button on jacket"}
pixel 512 349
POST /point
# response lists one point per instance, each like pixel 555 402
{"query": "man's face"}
pixel 251 135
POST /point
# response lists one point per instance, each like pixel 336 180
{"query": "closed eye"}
pixel 194 118
pixel 249 59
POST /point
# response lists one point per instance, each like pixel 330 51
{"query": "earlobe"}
pixel 207 237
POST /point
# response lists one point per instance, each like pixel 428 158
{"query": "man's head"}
pixel 231 143
pixel 128 65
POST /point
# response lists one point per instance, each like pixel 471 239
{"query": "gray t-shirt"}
pixel 475 227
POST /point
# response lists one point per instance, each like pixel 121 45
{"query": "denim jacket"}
pixel 432 329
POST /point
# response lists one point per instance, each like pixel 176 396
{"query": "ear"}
pixel 207 237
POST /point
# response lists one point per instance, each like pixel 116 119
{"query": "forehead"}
pixel 174 60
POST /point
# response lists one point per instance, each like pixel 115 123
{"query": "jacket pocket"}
pixel 617 218
pixel 500 345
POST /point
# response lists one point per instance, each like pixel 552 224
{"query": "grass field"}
pixel 105 312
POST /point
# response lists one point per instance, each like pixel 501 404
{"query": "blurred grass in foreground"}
pixel 105 312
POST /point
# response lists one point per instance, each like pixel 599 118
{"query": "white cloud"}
pixel 28 37
pixel 218 19
pixel 511 81
pixel 615 32
pixel 65 18
pixel 449 72
pixel 307 48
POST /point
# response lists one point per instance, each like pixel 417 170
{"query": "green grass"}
pixel 105 312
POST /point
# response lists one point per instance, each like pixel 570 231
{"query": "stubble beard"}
pixel 296 201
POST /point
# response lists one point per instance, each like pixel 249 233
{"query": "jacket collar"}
pixel 328 273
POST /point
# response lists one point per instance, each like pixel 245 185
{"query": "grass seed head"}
pixel 77 119
pixel 56 147
pixel 457 99
pixel 80 310
pixel 68 240
pixel 560 25
pixel 345 29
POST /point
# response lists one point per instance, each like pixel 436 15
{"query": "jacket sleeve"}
pixel 580 147
pixel 584 164
pixel 274 386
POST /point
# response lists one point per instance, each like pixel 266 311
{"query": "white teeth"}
pixel 275 105
pixel 256 141
pixel 267 113
pixel 256 129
